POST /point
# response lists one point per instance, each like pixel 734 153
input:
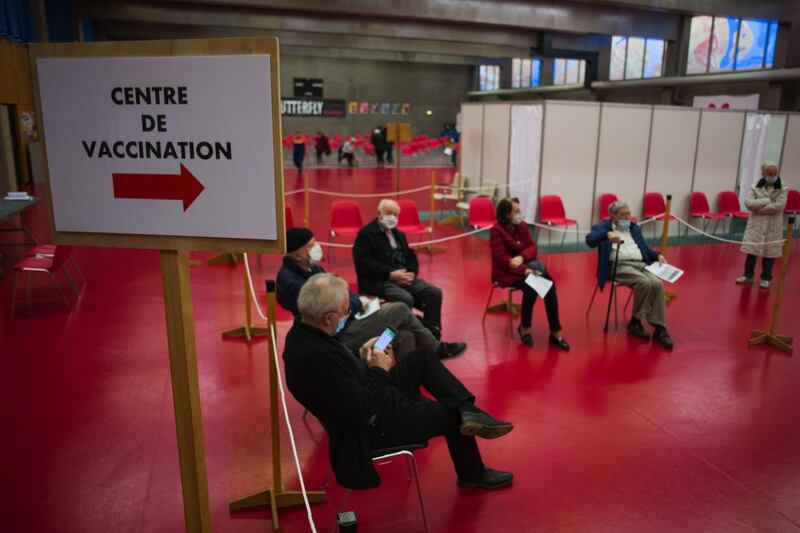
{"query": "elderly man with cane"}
pixel 622 246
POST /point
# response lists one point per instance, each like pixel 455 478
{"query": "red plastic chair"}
pixel 44 265
pixel 345 220
pixel 792 203
pixel 654 207
pixel 729 205
pixel 481 212
pixel 605 201
pixel 408 221
pixel 49 250
pixel 698 208
pixel 551 212
pixel 289 217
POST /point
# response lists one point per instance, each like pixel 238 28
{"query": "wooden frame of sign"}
pixel 174 258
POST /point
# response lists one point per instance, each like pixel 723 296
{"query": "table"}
pixel 9 208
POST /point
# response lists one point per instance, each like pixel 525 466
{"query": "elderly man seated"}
pixel 621 236
pixel 367 401
pixel 387 267
pixel 303 255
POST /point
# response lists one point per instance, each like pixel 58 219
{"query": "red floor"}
pixel 616 435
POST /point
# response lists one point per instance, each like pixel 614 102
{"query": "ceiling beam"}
pixel 551 15
pixel 192 15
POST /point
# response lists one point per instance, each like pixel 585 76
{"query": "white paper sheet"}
pixel 539 284
pixel 665 271
pixel 371 307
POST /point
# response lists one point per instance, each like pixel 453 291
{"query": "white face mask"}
pixel 517 219
pixel 390 221
pixel 315 254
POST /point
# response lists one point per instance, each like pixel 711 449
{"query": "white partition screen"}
pixel 569 154
pixel 718 152
pixel 622 156
pixel 672 151
pixel 790 163
pixel 525 152
pixel 471 142
pixel 494 161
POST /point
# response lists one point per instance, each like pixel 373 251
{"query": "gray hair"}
pixel 387 202
pixel 615 206
pixel 320 295
pixel 767 164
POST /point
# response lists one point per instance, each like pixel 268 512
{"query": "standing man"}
pixel 299 151
pixel 387 267
pixel 620 236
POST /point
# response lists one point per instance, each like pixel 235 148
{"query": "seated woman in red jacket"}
pixel 513 259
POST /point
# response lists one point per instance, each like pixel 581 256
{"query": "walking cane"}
pixel 613 287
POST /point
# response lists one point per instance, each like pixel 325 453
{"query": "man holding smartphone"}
pixel 369 401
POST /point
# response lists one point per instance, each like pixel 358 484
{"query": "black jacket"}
pixel 345 395
pixel 373 257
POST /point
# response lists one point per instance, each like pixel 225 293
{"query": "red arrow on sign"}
pixel 183 186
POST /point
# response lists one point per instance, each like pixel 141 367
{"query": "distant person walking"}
pixel 299 151
pixel 378 140
pixel 346 151
pixel 766 201
pixel 322 147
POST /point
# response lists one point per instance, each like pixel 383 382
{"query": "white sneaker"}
pixel 764 284
pixel 744 280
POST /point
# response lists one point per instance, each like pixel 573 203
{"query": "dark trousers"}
pixel 766 267
pixel 319 156
pixel 379 156
pixel 550 304
pixel 414 419
pixel 420 294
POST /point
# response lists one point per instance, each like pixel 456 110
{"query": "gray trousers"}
pixel 410 331
pixel 648 292
pixel 420 294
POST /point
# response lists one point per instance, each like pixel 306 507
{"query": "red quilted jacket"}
pixel 505 245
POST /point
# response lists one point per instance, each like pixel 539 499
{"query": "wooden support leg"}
pixel 185 389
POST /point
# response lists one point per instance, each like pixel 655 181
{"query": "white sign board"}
pixel 178 146
pixel 748 102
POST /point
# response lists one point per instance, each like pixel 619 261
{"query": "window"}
pixel 489 78
pixel 569 71
pixel 636 57
pixel 525 72
pixel 724 44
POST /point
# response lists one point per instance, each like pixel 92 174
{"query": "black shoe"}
pixel 525 338
pixel 637 330
pixel 488 479
pixel 448 350
pixel 662 338
pixel 483 425
pixel 559 342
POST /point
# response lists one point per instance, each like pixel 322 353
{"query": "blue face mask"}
pixel 341 324
pixel 624 224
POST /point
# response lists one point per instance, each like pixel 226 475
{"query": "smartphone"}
pixel 385 339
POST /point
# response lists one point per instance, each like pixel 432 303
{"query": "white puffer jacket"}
pixel 766 219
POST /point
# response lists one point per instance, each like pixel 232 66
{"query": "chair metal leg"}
pixel 77 270
pixel 549 233
pixel 413 459
pixel 592 300
pixel 510 313
pixel 564 236
pixel 60 292
pixel 14 294
pixel 71 281
pixel 486 308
